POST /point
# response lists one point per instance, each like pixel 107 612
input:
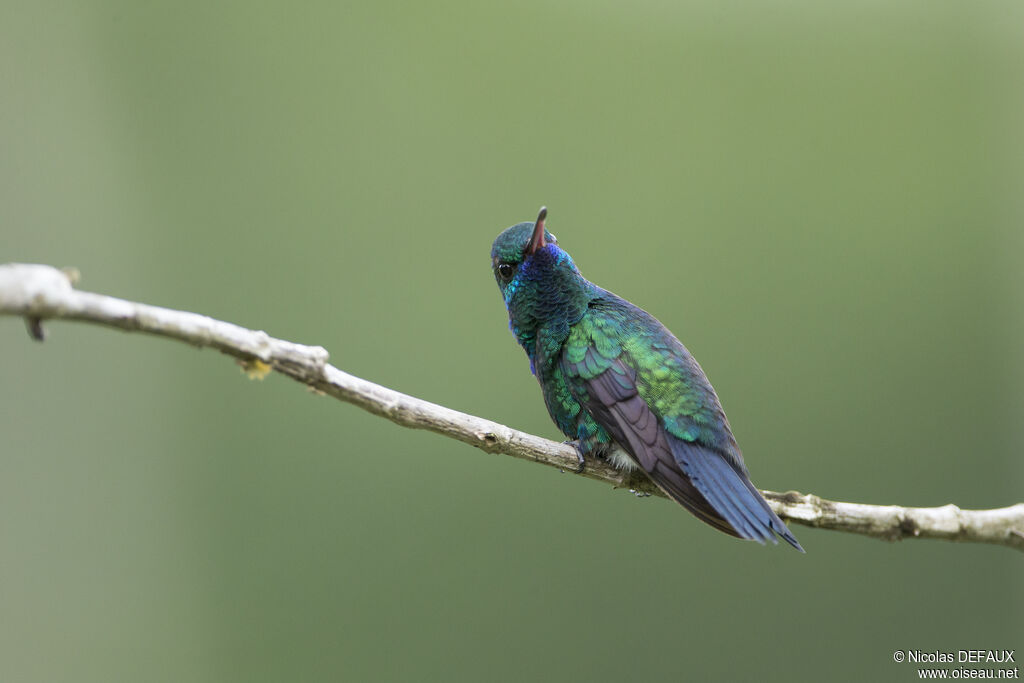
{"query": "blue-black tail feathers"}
pixel 731 494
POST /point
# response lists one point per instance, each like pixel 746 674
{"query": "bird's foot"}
pixel 579 455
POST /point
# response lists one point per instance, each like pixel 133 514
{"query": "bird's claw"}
pixel 582 462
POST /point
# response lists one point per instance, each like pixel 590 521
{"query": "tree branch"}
pixel 38 293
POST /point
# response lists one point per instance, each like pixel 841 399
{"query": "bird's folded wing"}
pixel 611 397
pixel 697 476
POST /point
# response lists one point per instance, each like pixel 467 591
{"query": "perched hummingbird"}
pixel 622 387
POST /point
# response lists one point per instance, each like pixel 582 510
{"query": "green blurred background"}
pixel 823 200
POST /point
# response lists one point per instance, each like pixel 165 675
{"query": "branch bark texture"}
pixel 38 293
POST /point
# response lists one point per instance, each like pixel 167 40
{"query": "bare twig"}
pixel 38 293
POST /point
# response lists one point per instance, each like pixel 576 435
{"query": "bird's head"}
pixel 538 280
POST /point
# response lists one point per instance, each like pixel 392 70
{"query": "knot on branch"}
pixel 319 357
pixel 906 527
pixel 487 438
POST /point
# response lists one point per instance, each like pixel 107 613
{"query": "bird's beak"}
pixel 537 241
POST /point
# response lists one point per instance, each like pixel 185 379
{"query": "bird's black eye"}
pixel 506 271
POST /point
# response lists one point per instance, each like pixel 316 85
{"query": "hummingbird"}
pixel 623 388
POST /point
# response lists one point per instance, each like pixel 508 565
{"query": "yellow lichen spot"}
pixel 254 368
